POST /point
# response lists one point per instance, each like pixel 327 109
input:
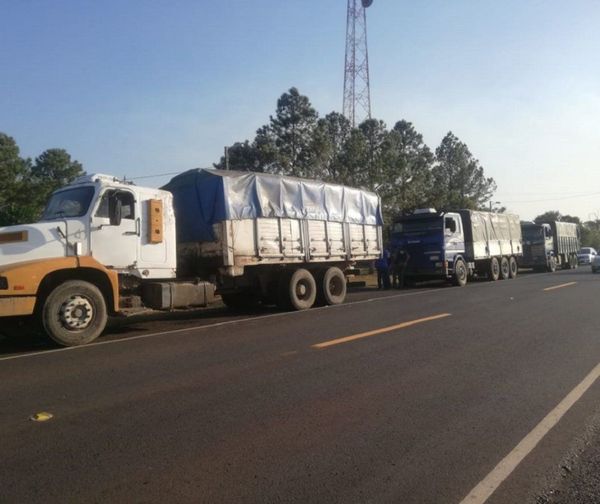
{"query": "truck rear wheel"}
pixel 331 288
pixel 460 273
pixel 74 313
pixel 494 269
pixel 513 266
pixel 298 291
pixel 504 268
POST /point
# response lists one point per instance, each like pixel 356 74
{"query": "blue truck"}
pixel 456 246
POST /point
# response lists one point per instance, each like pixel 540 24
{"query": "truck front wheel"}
pixel 74 313
pixel 460 273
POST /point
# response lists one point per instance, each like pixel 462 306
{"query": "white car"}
pixel 586 254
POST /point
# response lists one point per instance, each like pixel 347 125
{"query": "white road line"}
pixel 508 464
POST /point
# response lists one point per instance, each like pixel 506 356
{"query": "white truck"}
pixel 105 247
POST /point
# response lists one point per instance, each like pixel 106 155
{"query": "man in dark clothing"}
pixel 383 270
pixel 400 262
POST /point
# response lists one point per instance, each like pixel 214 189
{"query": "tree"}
pixel 549 216
pixel 26 186
pixel 407 165
pixel 289 136
pixel 329 140
pixel 13 172
pixel 458 178
pixel 242 157
pixel 555 215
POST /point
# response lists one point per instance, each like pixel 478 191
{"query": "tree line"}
pixel 393 162
pixel 26 184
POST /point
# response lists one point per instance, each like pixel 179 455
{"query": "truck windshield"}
pixel 69 203
pixel 418 226
pixel 533 233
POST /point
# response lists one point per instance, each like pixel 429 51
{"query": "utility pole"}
pixel 357 86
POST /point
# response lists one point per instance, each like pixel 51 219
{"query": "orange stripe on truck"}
pixel 16 306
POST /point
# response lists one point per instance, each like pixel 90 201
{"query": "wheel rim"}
pixel 336 286
pixel 302 290
pixel 505 268
pixel 76 313
pixel 461 272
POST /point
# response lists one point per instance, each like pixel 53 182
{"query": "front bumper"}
pixel 16 306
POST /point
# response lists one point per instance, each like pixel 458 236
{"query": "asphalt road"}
pixel 411 396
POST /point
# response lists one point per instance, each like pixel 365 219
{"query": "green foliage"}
pixel 590 234
pixel 555 215
pixel 25 186
pixel 459 179
pixel 13 176
pixel 394 163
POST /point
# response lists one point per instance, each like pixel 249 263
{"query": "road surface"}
pixel 427 395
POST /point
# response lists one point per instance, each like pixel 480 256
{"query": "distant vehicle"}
pixel 586 254
pixel 596 264
pixel 457 245
pixel 106 247
pixel 549 246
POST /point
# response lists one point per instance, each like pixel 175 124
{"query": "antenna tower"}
pixel 357 89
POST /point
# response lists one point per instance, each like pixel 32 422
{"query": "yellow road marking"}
pixel 346 339
pixel 508 464
pixel 560 286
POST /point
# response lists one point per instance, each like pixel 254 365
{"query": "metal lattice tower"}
pixel 357 90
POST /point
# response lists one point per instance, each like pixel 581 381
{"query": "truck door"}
pixel 115 243
pixel 453 236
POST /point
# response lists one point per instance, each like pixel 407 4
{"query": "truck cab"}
pixel 538 246
pixel 95 235
pixel 433 240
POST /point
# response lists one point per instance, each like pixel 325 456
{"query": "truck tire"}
pixel 551 264
pixel 494 269
pixel 504 268
pixel 331 287
pixel 513 266
pixel 74 313
pixel 298 291
pixel 460 273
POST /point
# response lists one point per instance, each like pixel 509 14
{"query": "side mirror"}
pixel 115 211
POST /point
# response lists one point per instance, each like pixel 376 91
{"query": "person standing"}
pixel 383 270
pixel 400 262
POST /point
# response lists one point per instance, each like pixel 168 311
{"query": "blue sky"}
pixel 143 87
